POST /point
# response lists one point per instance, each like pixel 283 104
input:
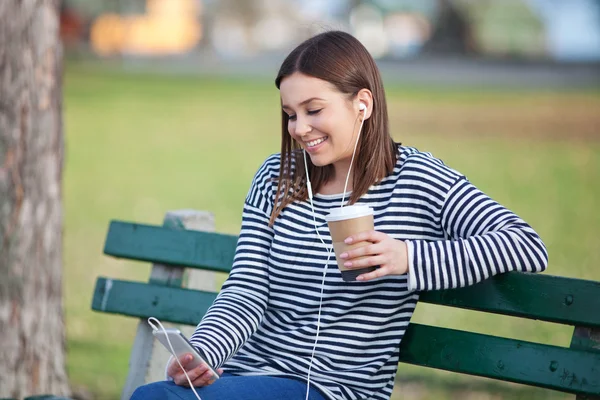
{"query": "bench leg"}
pixel 586 339
pixel 145 363
pixel 139 361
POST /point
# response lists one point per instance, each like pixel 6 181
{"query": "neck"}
pixel 340 174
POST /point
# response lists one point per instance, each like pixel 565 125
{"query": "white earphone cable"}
pixel 150 322
pixel 312 356
pixel 352 160
pixel 329 251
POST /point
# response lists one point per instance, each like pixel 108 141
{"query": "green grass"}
pixel 90 360
pixel 139 145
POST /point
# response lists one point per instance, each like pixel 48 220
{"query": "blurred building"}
pixel 166 27
pixel 563 30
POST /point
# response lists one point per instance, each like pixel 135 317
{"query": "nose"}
pixel 301 127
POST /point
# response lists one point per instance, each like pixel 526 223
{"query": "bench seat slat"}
pixel 535 296
pixel 511 360
pixel 194 249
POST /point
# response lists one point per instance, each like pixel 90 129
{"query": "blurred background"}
pixel 171 104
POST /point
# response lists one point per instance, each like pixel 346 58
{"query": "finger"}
pixel 174 367
pixel 205 379
pixel 180 380
pixel 200 376
pixel 378 273
pixel 371 236
pixel 368 250
pixel 193 374
pixel 366 262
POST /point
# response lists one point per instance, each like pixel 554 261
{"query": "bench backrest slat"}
pixel 195 249
pixel 552 367
pixel 534 296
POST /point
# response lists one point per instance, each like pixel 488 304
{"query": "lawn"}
pixel 141 144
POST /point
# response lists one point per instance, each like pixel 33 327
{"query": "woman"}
pixel 433 230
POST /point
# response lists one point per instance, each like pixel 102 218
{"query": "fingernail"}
pixel 348 240
pixel 343 255
pixel 188 358
pixel 348 264
pixel 360 278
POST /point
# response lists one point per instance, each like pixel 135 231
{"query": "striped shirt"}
pixel 264 320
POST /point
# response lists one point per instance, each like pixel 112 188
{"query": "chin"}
pixel 319 161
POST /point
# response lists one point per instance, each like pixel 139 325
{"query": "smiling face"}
pixel 322 120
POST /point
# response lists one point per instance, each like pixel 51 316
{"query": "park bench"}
pixel 186 242
pixel 43 397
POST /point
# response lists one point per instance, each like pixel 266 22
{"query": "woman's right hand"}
pixel 199 376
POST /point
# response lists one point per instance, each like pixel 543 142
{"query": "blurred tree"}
pixel 32 353
pixel 452 31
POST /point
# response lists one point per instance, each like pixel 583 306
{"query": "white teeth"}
pixel 315 142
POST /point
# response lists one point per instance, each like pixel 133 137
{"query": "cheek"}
pixel 322 124
pixel 333 122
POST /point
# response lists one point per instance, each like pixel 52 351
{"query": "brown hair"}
pixel 340 59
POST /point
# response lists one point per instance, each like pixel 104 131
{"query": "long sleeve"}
pixel 482 239
pixel 239 308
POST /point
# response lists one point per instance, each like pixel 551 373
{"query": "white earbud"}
pixel 362 107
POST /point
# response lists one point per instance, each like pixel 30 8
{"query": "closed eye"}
pixel 309 112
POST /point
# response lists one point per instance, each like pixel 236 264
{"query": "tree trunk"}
pixel 32 350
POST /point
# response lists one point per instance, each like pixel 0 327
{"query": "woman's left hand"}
pixel 389 254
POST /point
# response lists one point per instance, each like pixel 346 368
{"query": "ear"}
pixel 365 97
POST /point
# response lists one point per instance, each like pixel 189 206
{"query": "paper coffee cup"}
pixel 344 222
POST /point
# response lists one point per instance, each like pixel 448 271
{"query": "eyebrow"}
pixel 304 102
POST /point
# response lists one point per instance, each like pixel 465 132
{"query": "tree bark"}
pixel 32 349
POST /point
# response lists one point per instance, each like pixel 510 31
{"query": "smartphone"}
pixel 182 346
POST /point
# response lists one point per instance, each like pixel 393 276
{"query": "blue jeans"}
pixel 231 387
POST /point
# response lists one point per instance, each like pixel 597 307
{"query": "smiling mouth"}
pixel 315 142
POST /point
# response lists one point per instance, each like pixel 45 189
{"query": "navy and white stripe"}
pixel 264 319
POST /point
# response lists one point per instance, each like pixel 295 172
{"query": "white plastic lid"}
pixel 348 212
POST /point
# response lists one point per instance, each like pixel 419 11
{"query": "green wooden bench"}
pixel 40 397
pixel 172 249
